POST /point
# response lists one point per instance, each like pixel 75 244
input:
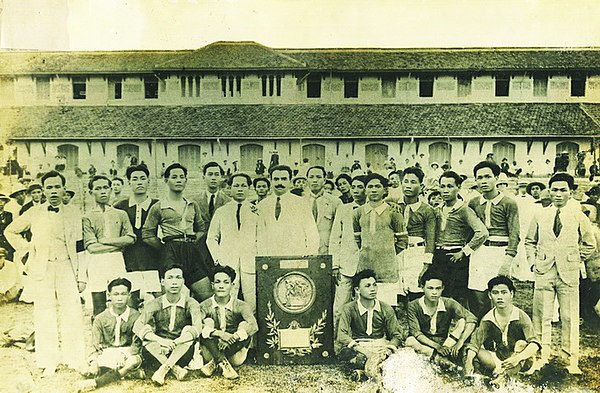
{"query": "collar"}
pixel 96 208
pixel 379 209
pixel 46 205
pixel 180 302
pixel 228 306
pixel 496 200
pixel 124 316
pixel 514 316
pixel 362 309
pixel 166 203
pixel 145 205
pixel 320 194
pixel 459 203
pixel 440 306
pixel 413 206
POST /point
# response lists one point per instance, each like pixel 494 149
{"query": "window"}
pixel 313 86
pixel 464 86
pixel 351 86
pixel 502 85
pixel 231 84
pixel 540 85
pixel 388 86
pixel 42 87
pixel 79 88
pixel 271 85
pixel 115 88
pixel 426 86
pixel 150 87
pixel 578 85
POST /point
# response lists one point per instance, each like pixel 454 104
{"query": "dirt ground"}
pixel 408 373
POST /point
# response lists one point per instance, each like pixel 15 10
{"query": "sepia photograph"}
pixel 300 196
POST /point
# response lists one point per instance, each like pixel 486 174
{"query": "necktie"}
pixel 119 319
pixel 315 212
pixel 557 224
pixel 277 208
pixel 211 205
pixel 53 209
pixel 237 216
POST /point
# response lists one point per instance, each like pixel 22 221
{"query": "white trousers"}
pixel 58 318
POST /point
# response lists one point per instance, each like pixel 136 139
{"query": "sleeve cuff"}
pixel 207 331
pixel 352 344
pixel 144 331
pixel 467 250
pixel 242 334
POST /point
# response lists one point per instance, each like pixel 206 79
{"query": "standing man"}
pixel 343 248
pixel 106 231
pixel 140 261
pixel 559 239
pixel 262 186
pixel 380 234
pixel 286 224
pixel 117 190
pixel 420 221
pixel 459 234
pixel 343 184
pixel 55 268
pixel 181 224
pixel 500 215
pixel 232 238
pixel 212 198
pixel 323 205
pixel 19 199
pixel 37 197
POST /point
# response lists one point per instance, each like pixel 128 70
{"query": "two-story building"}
pixel 242 101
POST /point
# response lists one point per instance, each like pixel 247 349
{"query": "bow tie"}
pixel 53 209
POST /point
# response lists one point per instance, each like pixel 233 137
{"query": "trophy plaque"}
pixel 294 310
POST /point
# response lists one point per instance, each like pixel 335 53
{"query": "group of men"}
pixel 193 259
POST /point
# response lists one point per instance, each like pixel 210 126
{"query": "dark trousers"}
pixel 455 274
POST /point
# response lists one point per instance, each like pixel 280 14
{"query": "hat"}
pixel 434 163
pixel 544 195
pixel 595 190
pixel 523 183
pixel 4 198
pixel 70 193
pixel 502 179
pixel 542 186
pixel 17 189
pixel 34 186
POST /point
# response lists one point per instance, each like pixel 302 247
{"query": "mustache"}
pixel 279 186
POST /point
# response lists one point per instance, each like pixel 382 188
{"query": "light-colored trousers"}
pixel 58 318
pixel 547 286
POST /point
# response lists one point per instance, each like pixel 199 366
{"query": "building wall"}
pixel 338 153
pixel 23 90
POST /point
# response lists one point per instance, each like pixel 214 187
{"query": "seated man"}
pixel 504 339
pixel 229 324
pixel 116 349
pixel 168 326
pixel 430 319
pixel 368 329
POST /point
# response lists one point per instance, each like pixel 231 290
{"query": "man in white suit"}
pixel 286 225
pixel 54 267
pixel 323 205
pixel 231 237
pixel 559 239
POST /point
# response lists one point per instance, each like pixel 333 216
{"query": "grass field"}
pixel 405 373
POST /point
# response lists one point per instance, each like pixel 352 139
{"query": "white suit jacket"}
pixel 36 220
pixel 327 206
pixel 294 233
pixel 230 246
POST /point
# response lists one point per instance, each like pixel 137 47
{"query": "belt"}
pixel 449 248
pixel 418 244
pixel 492 243
pixel 180 238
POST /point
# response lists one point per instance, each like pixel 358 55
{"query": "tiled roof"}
pixel 297 121
pixel 222 55
pixel 466 59
pixel 247 55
